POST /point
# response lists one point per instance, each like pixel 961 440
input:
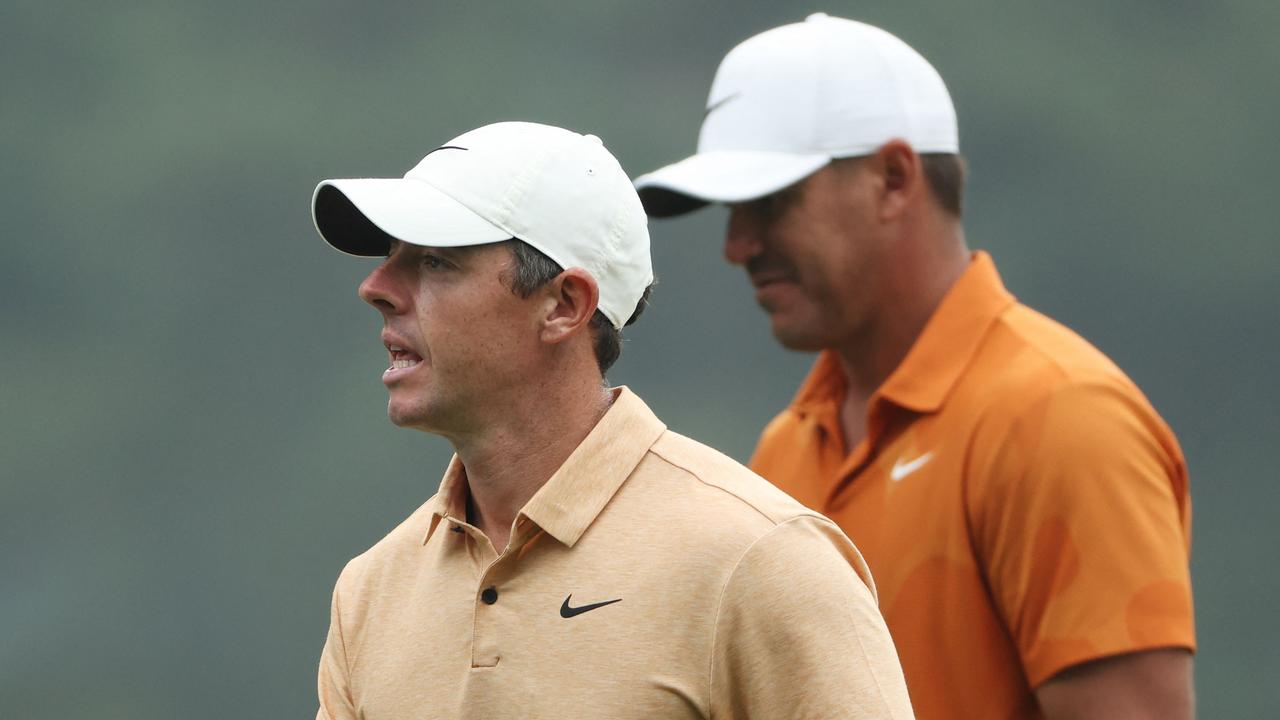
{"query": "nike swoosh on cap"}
pixel 448 147
pixel 717 104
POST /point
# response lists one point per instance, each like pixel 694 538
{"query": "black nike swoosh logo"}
pixel 717 104
pixel 568 612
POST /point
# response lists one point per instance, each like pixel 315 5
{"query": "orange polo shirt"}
pixel 1021 505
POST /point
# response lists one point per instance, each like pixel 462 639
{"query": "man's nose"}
pixel 379 290
pixel 742 237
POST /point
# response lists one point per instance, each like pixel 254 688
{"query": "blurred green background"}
pixel 192 430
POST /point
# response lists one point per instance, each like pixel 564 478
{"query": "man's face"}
pixel 458 338
pixel 812 252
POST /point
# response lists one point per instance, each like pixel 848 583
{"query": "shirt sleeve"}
pixel 1083 527
pixel 333 682
pixel 799 634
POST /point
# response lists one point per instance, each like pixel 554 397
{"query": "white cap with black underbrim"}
pixel 559 191
pixel 786 102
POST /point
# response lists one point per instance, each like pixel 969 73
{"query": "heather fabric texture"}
pixel 726 598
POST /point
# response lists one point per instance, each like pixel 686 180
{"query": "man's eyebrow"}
pixel 454 253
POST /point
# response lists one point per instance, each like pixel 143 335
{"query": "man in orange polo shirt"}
pixel 1022 507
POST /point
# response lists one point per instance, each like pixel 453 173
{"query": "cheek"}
pixel 477 336
pixel 824 257
pixel 839 275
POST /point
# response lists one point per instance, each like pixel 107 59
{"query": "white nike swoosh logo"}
pixel 716 105
pixel 903 469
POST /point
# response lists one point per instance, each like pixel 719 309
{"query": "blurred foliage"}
pixel 192 430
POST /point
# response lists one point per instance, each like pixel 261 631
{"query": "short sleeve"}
pixel 333 682
pixel 799 635
pixel 1082 525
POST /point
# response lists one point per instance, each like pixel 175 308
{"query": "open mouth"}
pixel 402 358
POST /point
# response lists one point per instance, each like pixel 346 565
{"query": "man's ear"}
pixel 570 301
pixel 900 175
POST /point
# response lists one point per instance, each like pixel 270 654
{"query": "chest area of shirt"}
pixel 907 462
pixel 909 482
pixel 551 631
pixel 901 496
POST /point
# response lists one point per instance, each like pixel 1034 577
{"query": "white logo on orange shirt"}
pixel 902 469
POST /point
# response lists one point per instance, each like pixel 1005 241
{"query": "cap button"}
pixel 594 139
pixel 816 17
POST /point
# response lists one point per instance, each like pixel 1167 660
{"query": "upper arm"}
pixel 1083 530
pixel 798 633
pixel 1153 684
pixel 333 681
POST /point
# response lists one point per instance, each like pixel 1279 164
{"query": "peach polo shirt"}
pixel 650 577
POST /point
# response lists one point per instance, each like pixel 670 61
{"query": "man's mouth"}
pixel 760 281
pixel 402 358
pixel 763 273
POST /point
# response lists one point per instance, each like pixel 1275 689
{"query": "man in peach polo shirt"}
pixel 1022 507
pixel 579 559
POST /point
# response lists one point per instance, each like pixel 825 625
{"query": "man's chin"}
pixel 418 414
pixel 797 339
pixel 405 417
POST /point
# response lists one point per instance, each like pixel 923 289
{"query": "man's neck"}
pixel 917 283
pixel 515 455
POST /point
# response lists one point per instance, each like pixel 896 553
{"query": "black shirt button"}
pixel 489 596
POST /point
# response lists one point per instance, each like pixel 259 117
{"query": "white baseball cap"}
pixel 789 100
pixel 561 192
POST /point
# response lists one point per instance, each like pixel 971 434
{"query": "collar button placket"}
pixel 485 630
pixel 493 608
pixel 860 456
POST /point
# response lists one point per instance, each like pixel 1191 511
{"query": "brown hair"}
pixel 945 173
pixel 532 269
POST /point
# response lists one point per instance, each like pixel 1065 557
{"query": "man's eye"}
pixel 771 206
pixel 433 262
pixel 779 201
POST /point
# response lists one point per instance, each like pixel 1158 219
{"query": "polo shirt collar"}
pixel 573 497
pixel 450 501
pixel 924 378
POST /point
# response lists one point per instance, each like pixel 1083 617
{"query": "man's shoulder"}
pixel 1029 357
pixel 396 545
pixel 715 503
pixel 738 496
pixel 1038 380
pixel 1057 349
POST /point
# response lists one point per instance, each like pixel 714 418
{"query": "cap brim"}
pixel 361 216
pixel 722 177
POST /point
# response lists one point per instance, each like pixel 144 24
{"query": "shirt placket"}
pixel 493 617
pixel 863 453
